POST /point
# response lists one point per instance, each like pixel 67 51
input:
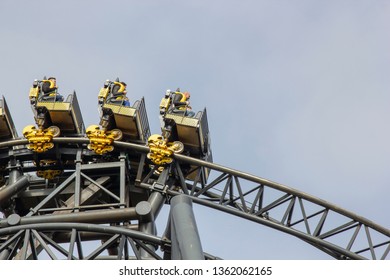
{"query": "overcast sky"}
pixel 297 92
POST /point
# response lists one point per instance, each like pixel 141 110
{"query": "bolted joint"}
pixel 101 141
pixel 40 140
pixel 161 151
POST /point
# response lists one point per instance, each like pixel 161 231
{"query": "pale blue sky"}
pixel 297 92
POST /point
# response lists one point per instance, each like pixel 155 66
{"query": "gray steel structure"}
pixel 108 201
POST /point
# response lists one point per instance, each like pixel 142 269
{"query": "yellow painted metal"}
pixel 164 104
pixel 48 174
pixel 101 140
pixel 121 87
pixel 56 106
pixel 118 109
pixel 34 91
pixel 161 151
pixel 40 139
pixel 103 93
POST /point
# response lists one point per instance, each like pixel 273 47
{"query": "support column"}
pixel 146 224
pixel 16 183
pixel 185 238
pixel 147 212
pixel 12 188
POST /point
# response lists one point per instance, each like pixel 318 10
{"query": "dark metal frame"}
pixel 123 226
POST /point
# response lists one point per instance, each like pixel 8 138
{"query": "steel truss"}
pixel 111 204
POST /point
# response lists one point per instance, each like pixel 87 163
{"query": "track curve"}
pixel 322 224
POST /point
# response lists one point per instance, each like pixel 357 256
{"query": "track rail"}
pixel 338 232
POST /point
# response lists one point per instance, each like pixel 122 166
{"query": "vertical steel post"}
pixel 186 243
pixel 15 184
pixel 146 224
pixel 122 178
pixel 147 212
pixel 78 182
pixel 12 188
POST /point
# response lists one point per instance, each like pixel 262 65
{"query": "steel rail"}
pixel 271 224
pixel 214 166
pixel 312 239
pixel 87 228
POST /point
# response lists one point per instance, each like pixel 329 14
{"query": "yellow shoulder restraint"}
pixel 52 86
pixel 121 87
pixel 182 99
pixel 50 82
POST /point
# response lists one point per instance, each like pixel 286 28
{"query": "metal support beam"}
pixel 147 212
pixel 78 182
pixel 146 224
pixel 96 216
pixel 156 200
pixel 16 183
pixel 64 237
pixel 122 180
pixel 8 191
pixel 186 243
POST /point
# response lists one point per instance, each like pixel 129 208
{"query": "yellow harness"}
pixel 121 87
pixel 52 85
pixel 182 99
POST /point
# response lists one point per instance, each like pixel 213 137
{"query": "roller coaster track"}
pixel 339 233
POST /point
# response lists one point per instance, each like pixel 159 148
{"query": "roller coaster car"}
pixel 193 132
pixel 7 128
pixel 114 114
pixel 48 111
